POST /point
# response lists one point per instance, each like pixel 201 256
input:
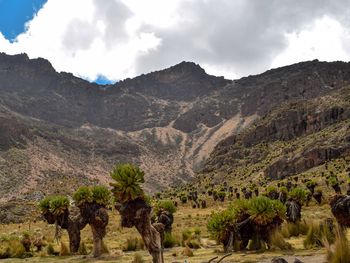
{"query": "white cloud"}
pixel 85 37
pixel 323 41
pixel 123 38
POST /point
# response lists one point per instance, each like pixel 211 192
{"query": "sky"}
pixel 109 40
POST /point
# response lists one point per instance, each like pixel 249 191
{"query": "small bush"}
pixel 4 252
pixel 169 240
pixel 183 199
pixel 16 249
pixel 191 238
pixel 50 250
pixel 194 243
pixel 133 244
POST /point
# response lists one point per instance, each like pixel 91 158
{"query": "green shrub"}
pixel 50 250
pixel 169 240
pixel 261 210
pixel 133 244
pixel 333 181
pixel 191 238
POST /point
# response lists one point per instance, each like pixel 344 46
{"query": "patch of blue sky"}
pixel 14 14
pixel 102 80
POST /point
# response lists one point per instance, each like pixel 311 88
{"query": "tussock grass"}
pixel 138 258
pixel 316 234
pixel 277 241
pixel 64 250
pixel 289 230
pixel 339 252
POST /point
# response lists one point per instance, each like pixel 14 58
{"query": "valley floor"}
pixel 186 217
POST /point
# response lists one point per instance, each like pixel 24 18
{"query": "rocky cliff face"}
pixel 60 130
pixel 291 139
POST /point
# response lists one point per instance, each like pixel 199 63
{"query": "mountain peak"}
pixel 186 67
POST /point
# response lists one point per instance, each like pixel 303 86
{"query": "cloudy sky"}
pixel 115 39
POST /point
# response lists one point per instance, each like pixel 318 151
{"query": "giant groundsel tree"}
pixel 134 208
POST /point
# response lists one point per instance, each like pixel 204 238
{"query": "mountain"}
pixel 58 131
pixel 291 139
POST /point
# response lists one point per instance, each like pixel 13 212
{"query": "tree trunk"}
pixel 228 247
pixel 152 239
pixel 97 241
pixel 74 237
pixel 138 213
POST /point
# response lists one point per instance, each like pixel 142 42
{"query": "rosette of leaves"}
pixel 311 185
pixel 264 211
pixel 58 205
pixel 101 195
pixel 83 195
pixel 128 179
pixel 220 222
pixel 166 205
pixel 298 195
pixel 44 204
pixel 272 192
pixel 97 194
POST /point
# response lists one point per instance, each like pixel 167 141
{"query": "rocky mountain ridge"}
pixel 58 129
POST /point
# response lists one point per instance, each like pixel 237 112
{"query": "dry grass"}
pixel 185 218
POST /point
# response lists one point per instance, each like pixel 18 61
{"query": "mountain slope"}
pixel 60 130
pixel 290 140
